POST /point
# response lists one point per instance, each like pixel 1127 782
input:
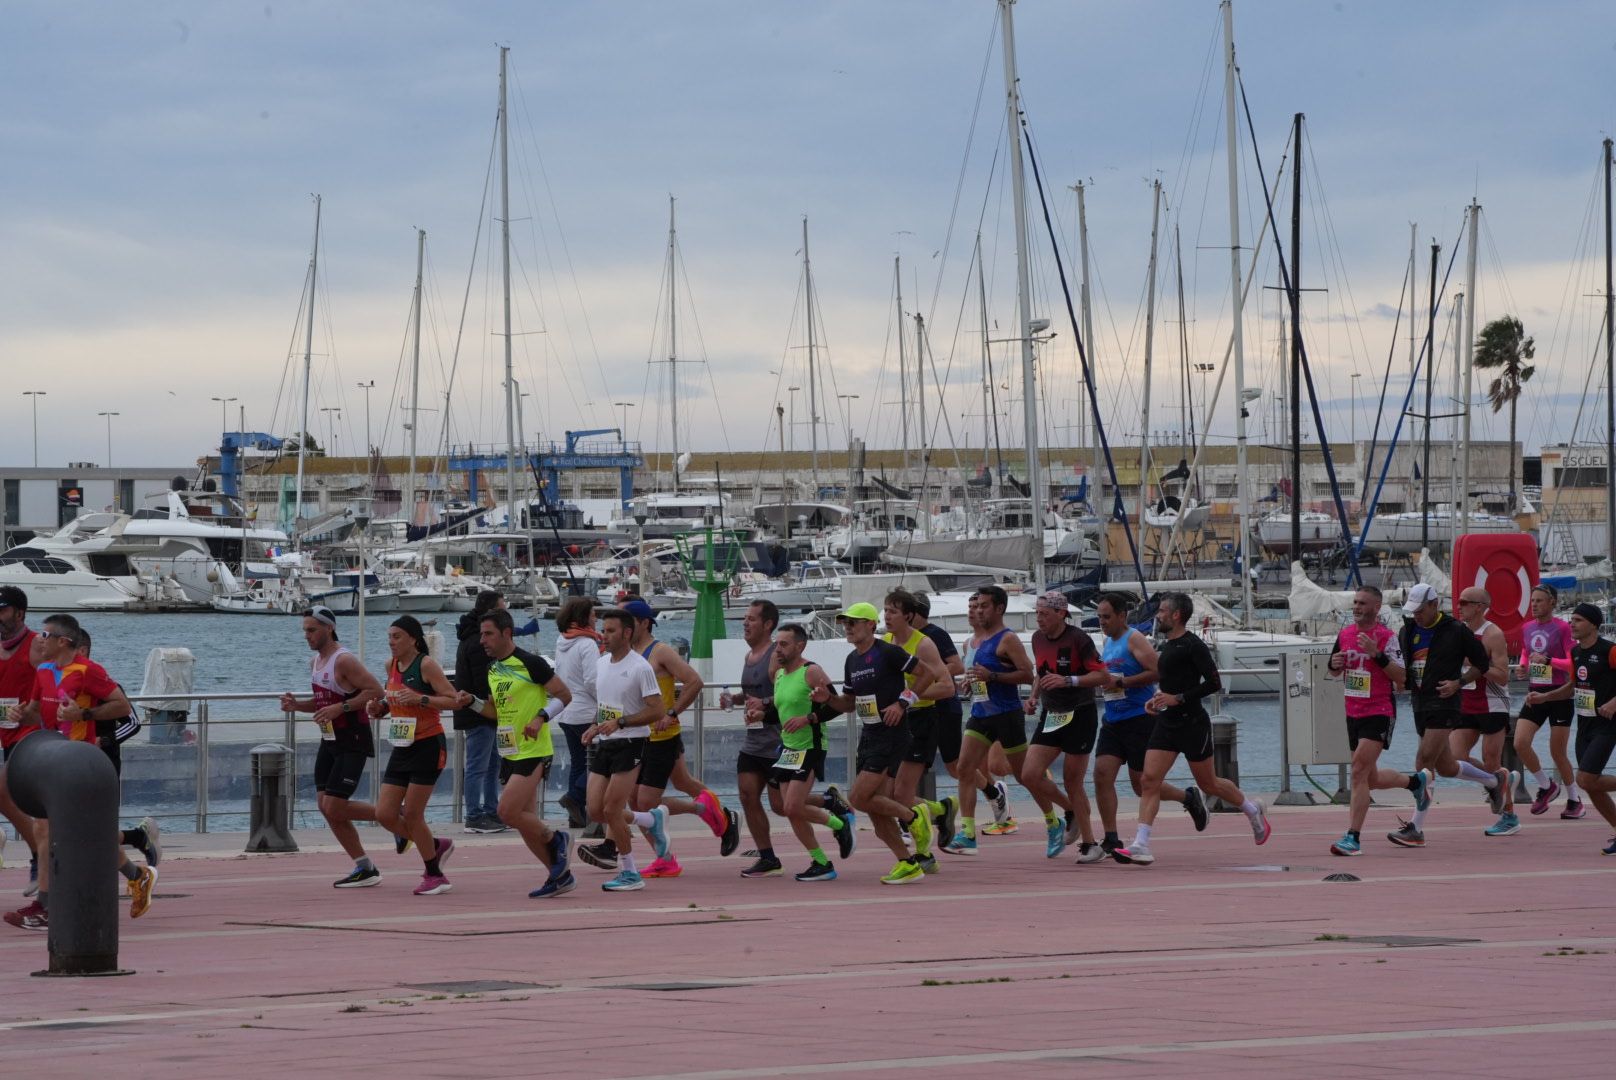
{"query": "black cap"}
pixel 1590 612
pixel 13 597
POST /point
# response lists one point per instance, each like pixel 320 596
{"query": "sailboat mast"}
pixel 813 377
pixel 1610 375
pixel 1242 472
pixel 415 376
pixel 1102 510
pixel 990 405
pixel 920 383
pixel 1430 385
pixel 505 250
pixel 903 360
pixel 308 372
pixel 1150 343
pixel 1029 374
pixel 1296 343
pixel 1469 367
pixel 673 338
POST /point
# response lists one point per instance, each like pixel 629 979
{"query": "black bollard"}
pixel 73 785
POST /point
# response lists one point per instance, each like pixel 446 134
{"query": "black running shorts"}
pixel 1187 735
pixel 421 762
pixel 1596 739
pixel 922 735
pixel 813 766
pixel 881 748
pixel 1008 729
pixel 950 721
pixel 660 758
pixel 608 757
pixel 1486 723
pixel 1074 737
pixel 1553 713
pixel 337 772
pixel 527 766
pixel 1378 728
pixel 1126 739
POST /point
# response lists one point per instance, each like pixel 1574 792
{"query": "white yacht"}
pixel 1320 532
pixel 201 543
pixel 1405 533
pixel 662 514
pixel 69 570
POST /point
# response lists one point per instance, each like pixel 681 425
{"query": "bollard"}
pixel 1225 758
pixel 273 775
pixel 1512 762
pixel 74 787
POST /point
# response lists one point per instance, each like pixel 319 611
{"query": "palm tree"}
pixel 1504 347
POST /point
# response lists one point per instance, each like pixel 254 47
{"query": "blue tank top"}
pixel 1129 702
pixel 992 698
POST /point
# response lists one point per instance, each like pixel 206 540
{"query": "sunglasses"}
pixel 48 634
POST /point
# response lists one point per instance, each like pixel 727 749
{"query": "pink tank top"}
pixel 1368 690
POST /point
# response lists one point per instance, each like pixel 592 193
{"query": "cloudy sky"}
pixel 156 213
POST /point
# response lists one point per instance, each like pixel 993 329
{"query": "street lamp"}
pixel 847 414
pixel 622 432
pixel 330 428
pixel 1203 370
pixel 36 395
pixel 224 414
pixel 109 416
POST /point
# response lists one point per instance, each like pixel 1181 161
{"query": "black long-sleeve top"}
pixel 1186 667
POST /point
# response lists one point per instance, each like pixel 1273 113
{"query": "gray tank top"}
pixel 760 740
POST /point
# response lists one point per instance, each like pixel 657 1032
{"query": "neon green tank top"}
pixel 790 701
pixel 912 646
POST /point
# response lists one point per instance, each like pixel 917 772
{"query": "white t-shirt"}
pixel 621 688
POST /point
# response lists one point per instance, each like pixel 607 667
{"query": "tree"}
pixel 1505 348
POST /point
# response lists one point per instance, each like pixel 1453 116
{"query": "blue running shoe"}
pixel 1347 845
pixel 1506 825
pixel 625 881
pixel 560 883
pixel 659 831
pixel 1057 840
pixel 560 849
pixel 1422 790
pixel 1610 848
pixel 961 845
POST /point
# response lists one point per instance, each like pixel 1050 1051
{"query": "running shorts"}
pixel 1075 737
pixel 421 762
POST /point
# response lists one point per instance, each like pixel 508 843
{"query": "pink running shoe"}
pixel 432 885
pixel 711 811
pixel 1545 797
pixel 667 866
pixel 445 849
pixel 1573 810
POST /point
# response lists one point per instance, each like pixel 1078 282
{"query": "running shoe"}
pixel 575 813
pixel 140 891
pixel 557 884
pixel 946 823
pixel 769 867
pixel 444 847
pixel 1422 790
pixel 1074 832
pixel 152 849
pixel 710 810
pixel 1506 825
pixel 1347 845
pixel 1498 794
pixel 31 890
pixel 1090 853
pixel 919 829
pixel 1195 806
pixel 625 881
pixel 1545 798
pixel 596 855
pixel 927 863
pixel 1056 840
pixel 1573 811
pixel 663 866
pixel 359 878
pixel 560 847
pixel 432 885
pixel 835 803
pixel 1109 845
pixel 401 844
pixel 1001 802
pixel 1407 835
pixel 485 823
pixel 846 837
pixel 731 836
pixel 819 871
pixel 904 871
pixel 1000 828
pixel 1261 827
pixel 29 917
pixel 1608 849
pixel 658 830
pixel 961 845
pixel 1135 854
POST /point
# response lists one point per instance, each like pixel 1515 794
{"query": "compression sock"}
pixel 834 822
pixel 1468 771
pixel 627 863
pixel 967 827
pixel 130 871
pixel 819 856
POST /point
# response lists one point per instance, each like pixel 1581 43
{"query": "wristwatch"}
pixel 425 699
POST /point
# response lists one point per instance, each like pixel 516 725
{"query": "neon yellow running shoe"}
pixel 903 872
pixel 920 830
pixel 1000 828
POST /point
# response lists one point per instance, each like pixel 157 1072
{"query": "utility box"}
pixel 1315 709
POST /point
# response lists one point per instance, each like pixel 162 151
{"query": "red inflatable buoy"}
pixel 1506 565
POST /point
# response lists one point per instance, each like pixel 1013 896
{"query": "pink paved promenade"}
pixel 1474 957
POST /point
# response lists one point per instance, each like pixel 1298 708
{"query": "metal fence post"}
pixel 202 766
pixel 291 742
pixel 701 738
pixel 458 813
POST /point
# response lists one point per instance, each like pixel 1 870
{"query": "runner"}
pixel 1130 663
pixel 996 665
pixel 576 652
pixel 1066 670
pixel 1436 647
pixel 72 695
pixel 629 702
pixel 16 687
pixel 481 780
pixel 342 689
pixel 1189 675
pixel 1546 664
pixel 873 689
pixel 1484 712
pixel 1592 693
pixel 110 735
pixel 950 723
pixel 802 752
pixel 417 692
pixel 760 742
pixel 521 687
pixel 1367 658
pixel 924 718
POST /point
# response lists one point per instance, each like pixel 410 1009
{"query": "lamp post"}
pixel 109 416
pixel 1204 369
pixel 224 414
pixel 330 427
pixel 847 414
pixel 622 432
pixel 36 395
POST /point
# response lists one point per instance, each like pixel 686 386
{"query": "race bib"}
pixel 1541 674
pixel 864 708
pixel 1357 680
pixel 608 712
pixel 791 759
pixel 1054 721
pixel 505 740
pixel 979 692
pixel 1584 701
pixel 327 731
pixel 401 730
pixel 1416 673
pixel 7 721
